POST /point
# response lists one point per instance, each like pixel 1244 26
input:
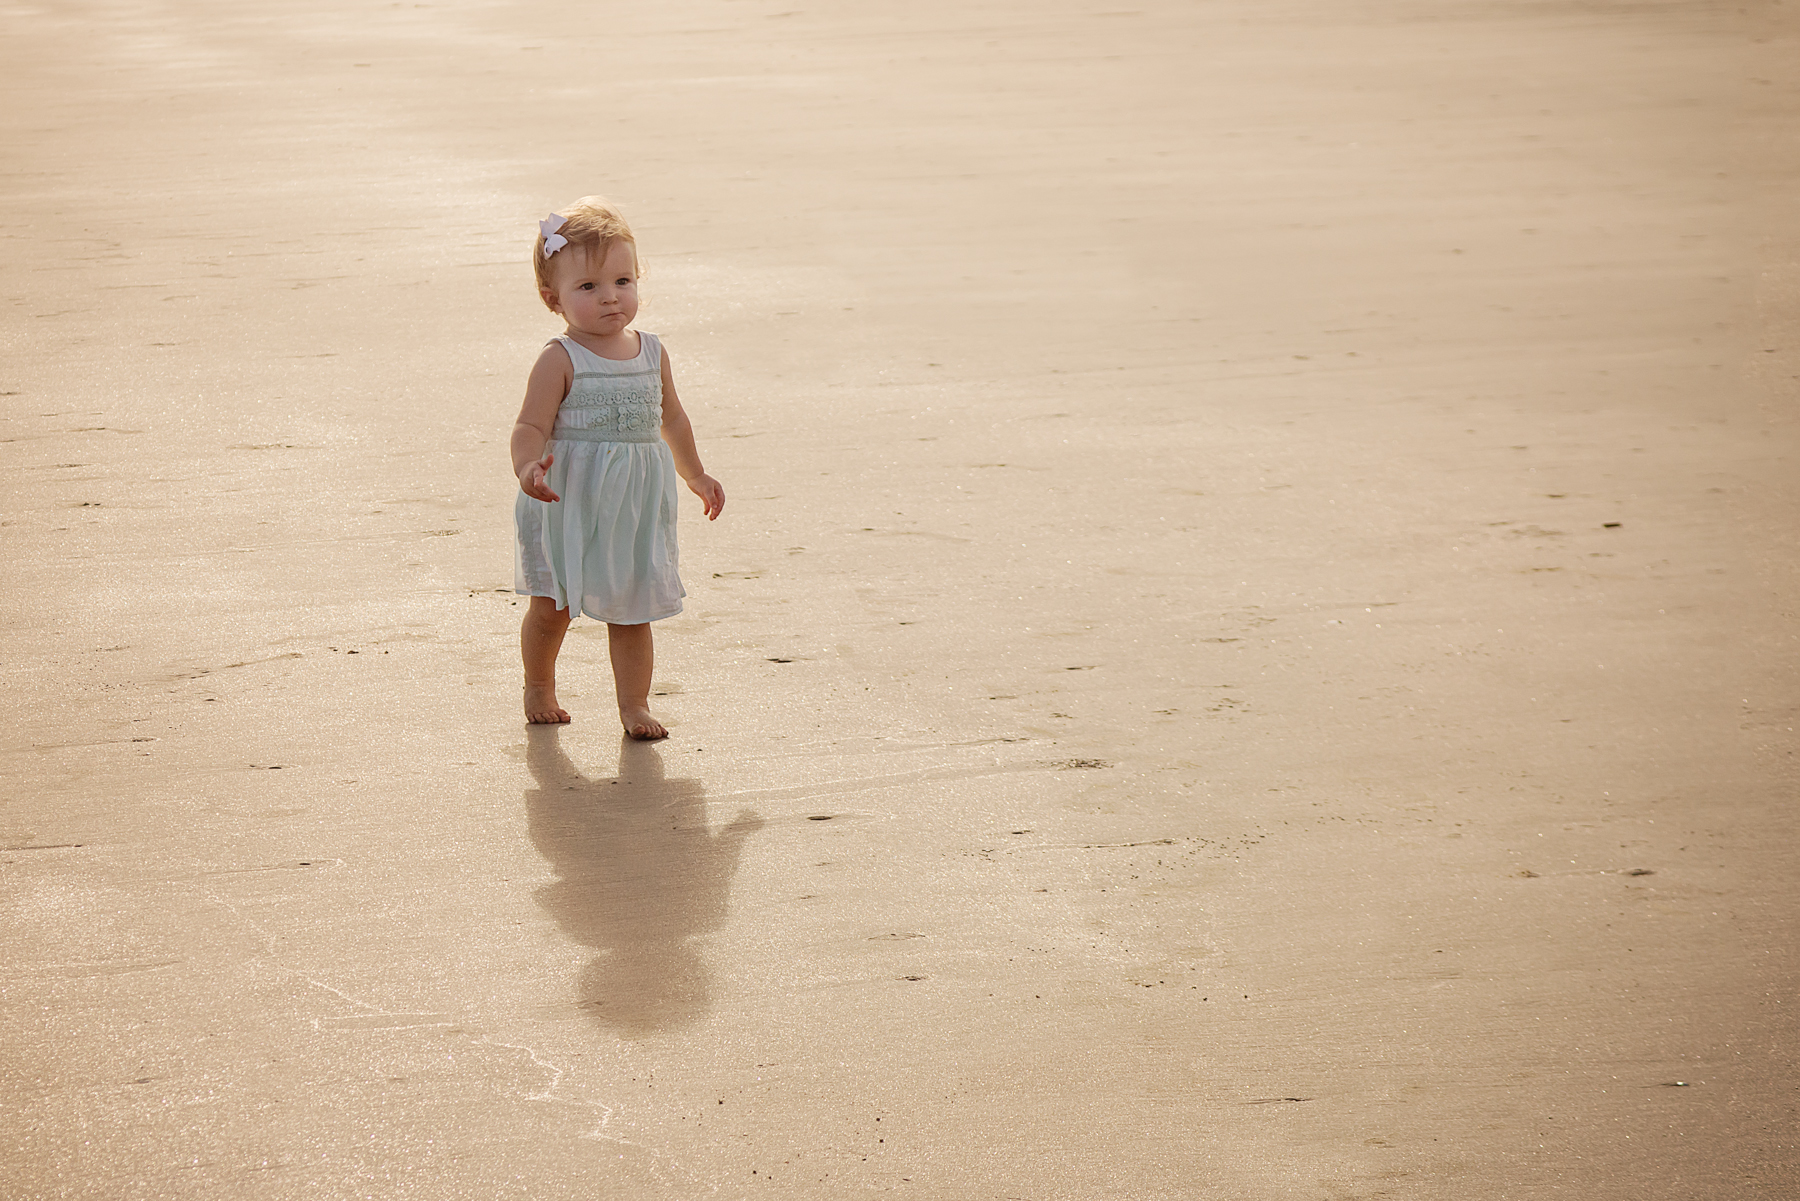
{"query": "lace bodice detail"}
pixel 613 400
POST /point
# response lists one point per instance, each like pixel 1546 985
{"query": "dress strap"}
pixel 573 349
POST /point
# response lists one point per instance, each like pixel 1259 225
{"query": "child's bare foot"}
pixel 640 725
pixel 541 707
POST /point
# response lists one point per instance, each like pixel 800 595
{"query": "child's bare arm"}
pixel 544 393
pixel 678 432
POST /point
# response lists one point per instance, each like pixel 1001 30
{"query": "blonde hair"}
pixel 591 225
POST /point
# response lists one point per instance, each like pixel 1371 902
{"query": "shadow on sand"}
pixel 640 876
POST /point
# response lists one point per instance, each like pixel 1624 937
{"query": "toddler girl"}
pixel 599 441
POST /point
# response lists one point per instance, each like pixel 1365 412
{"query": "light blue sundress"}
pixel 607 549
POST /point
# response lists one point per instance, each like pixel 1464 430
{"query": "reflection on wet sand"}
pixel 639 877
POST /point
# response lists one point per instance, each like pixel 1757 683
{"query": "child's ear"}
pixel 549 299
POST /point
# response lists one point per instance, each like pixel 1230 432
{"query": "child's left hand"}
pixel 711 494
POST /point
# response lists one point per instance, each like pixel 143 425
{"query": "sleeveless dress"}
pixel 607 549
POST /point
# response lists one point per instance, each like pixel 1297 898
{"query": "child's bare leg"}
pixel 540 638
pixel 633 659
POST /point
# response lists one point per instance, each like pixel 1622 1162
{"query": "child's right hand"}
pixel 533 480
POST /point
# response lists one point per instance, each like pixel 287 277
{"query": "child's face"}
pixel 596 294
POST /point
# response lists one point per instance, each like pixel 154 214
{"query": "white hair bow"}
pixel 553 241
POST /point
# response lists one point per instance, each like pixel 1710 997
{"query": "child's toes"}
pixel 541 708
pixel 641 726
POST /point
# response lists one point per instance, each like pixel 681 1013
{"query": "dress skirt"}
pixel 607 549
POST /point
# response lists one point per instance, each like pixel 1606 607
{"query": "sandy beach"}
pixel 1251 653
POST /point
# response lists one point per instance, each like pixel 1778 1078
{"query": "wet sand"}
pixel 1250 655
